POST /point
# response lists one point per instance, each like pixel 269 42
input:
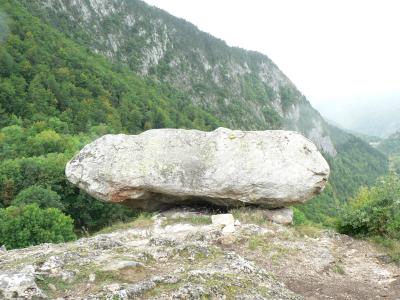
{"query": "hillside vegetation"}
pixel 56 95
pixel 375 213
pixel 244 89
pixel 391 147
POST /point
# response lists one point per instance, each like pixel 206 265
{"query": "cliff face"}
pixel 243 88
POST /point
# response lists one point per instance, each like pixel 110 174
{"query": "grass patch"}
pixel 229 285
pixel 248 215
pixel 45 282
pixel 201 255
pixel 62 286
pixel 162 288
pixel 390 246
pixel 105 277
pixel 310 230
pixel 194 220
pixel 267 247
pixel 337 268
pixel 256 242
pixel 144 220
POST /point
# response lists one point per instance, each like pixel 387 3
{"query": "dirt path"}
pixel 328 266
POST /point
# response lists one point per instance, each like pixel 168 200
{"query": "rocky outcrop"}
pixel 19 284
pixel 165 167
pixel 187 254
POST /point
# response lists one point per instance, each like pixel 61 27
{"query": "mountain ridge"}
pixel 243 88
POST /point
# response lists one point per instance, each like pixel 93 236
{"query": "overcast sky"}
pixel 337 50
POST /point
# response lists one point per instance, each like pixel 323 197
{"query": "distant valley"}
pixel 373 116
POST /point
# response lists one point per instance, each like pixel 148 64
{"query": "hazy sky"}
pixel 337 50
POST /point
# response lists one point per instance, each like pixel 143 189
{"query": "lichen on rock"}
pixel 161 168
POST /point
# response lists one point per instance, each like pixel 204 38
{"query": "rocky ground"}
pixel 183 255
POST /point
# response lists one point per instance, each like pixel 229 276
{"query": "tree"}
pixel 30 225
pixel 44 198
pixel 47 141
pixel 6 62
pixel 374 211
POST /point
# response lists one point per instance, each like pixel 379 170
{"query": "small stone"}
pixel 237 223
pixel 227 240
pixel 138 288
pixel 67 276
pixel 92 277
pixel 52 287
pixel 112 287
pixel 230 228
pixel 226 221
pixel 384 259
pixel 3 249
pixel 122 264
pixel 282 216
pixel 179 270
pixel 191 291
pixel 52 265
pixel 104 243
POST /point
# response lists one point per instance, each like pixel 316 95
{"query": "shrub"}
pixel 30 225
pixel 44 198
pixel 374 211
pixel 47 141
pixel 299 217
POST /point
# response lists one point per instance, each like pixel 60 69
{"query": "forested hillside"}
pixel 152 70
pixel 56 96
pixel 391 147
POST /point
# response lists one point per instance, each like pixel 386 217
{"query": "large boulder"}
pixel 164 167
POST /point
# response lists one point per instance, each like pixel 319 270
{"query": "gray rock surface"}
pixel 122 264
pixel 166 259
pixel 164 167
pixel 19 284
pixel 282 216
pixel 226 221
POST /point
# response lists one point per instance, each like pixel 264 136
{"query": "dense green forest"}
pixel 56 95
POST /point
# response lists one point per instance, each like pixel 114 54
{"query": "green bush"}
pixel 374 211
pixel 44 198
pixel 299 217
pixel 30 225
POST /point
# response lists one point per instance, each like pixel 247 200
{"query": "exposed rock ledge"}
pixel 182 255
pixel 164 167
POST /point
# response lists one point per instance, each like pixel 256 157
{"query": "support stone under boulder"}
pixel 161 168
